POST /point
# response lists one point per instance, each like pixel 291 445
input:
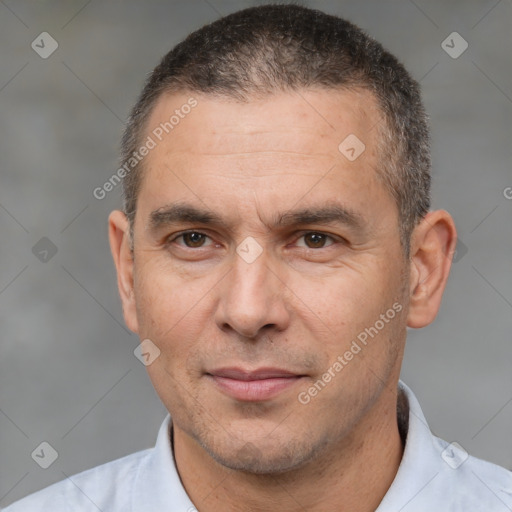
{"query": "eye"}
pixel 314 240
pixel 191 239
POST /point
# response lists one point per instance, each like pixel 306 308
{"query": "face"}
pixel 263 256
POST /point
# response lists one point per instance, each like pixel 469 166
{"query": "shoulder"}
pixel 437 475
pixel 105 487
pixel 472 483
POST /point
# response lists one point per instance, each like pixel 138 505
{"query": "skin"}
pixel 298 306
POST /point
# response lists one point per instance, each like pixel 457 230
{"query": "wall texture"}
pixel 68 375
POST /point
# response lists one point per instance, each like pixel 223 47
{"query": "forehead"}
pixel 308 120
pixel 282 145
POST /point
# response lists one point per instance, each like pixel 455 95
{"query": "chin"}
pixel 263 458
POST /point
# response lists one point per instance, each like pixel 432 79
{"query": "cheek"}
pixel 169 308
pixel 347 307
pixel 171 314
pixel 342 299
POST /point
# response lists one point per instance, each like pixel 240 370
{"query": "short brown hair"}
pixel 260 50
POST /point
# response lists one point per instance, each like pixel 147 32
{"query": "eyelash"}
pixel 169 241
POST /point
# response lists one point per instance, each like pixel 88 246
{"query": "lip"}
pixel 253 385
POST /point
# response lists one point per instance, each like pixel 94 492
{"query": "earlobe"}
pixel 432 248
pixel 119 237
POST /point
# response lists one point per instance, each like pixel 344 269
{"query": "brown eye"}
pixel 193 239
pixel 315 240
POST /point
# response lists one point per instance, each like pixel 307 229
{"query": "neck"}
pixel 352 475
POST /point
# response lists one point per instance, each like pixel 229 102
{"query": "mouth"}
pixel 253 385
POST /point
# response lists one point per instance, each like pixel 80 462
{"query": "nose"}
pixel 252 298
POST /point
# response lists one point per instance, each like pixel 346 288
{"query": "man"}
pixel 275 244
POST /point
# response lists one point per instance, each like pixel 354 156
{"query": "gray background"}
pixel 68 375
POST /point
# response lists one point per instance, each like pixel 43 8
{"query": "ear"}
pixel 432 248
pixel 119 236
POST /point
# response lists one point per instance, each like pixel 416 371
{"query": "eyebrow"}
pixel 328 214
pixel 180 213
pixel 185 213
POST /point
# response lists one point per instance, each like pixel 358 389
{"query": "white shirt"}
pixel 433 476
